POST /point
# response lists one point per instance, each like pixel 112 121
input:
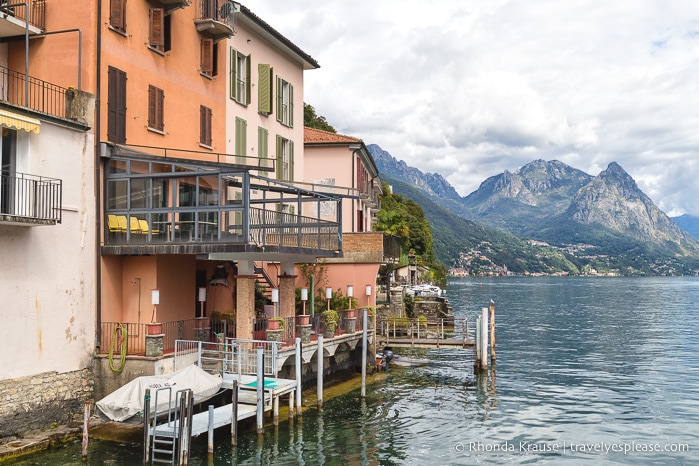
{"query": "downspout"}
pixel 98 190
pixel 354 173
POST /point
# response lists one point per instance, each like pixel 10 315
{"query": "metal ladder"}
pixel 169 445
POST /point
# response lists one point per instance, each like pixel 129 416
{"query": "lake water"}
pixel 589 370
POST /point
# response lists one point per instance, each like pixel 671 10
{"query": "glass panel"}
pixel 117 166
pixel 139 168
pixel 208 190
pixel 117 194
pixel 160 193
pixel 161 168
pixel 139 193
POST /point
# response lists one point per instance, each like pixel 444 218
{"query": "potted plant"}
pixel 275 323
pixel 330 319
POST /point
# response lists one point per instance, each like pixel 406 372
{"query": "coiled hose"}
pixel 118 333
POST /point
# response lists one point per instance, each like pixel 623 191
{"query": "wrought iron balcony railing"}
pixel 26 91
pixel 34 12
pixel 28 197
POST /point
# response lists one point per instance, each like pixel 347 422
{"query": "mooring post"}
pixel 477 361
pixel 210 440
pixel 146 427
pixel 86 428
pixel 320 372
pixel 364 350
pixel 492 331
pixel 234 417
pixel 275 411
pixel 260 390
pixel 484 336
pixel 299 368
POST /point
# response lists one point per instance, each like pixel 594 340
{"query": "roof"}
pixel 318 136
pixel 265 29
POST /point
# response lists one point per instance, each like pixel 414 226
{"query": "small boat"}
pixel 424 290
pixel 126 403
pixel 388 358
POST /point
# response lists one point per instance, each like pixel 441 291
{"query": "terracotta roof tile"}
pixel 317 136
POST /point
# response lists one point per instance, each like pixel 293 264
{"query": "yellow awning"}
pixel 13 120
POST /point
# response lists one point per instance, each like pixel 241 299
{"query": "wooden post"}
pixel 291 405
pixel 299 368
pixel 86 429
pixel 484 338
pixel 146 427
pixel 260 391
pixel 234 419
pixel 210 440
pixel 477 361
pixel 492 331
pixel 364 350
pixel 275 411
pixel 319 377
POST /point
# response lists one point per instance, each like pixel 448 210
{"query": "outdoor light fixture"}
pixel 275 301
pixel 155 300
pixel 202 298
pixel 350 294
pixel 368 290
pixel 328 295
pixel 304 294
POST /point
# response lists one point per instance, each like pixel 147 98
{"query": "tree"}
pixel 312 120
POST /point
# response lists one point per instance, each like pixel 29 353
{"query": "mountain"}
pixel 603 222
pixel 433 183
pixel 688 223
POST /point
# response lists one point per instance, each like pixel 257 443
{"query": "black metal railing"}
pixel 30 196
pixel 26 91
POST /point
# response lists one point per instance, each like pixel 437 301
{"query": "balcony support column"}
pixel 245 305
pixel 287 295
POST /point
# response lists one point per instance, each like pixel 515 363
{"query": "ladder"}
pixel 169 444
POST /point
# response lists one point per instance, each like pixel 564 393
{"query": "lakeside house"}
pixel 173 179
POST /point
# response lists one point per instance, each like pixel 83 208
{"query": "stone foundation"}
pixel 40 401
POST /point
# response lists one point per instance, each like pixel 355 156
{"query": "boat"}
pixel 424 290
pixel 127 402
pixel 387 358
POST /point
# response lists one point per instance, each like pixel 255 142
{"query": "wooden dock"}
pixel 407 342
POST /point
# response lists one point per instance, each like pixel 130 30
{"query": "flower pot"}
pixel 303 320
pixel 351 314
pixel 272 324
pixel 155 329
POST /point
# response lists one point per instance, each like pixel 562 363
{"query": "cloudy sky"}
pixel 470 88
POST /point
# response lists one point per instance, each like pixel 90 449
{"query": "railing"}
pixel 136 335
pixel 44 96
pixel 291 326
pixel 31 196
pixel 232 356
pixel 269 227
pixel 37 11
pixel 447 328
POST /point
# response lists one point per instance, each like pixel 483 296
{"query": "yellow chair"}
pixel 145 227
pixel 121 221
pixel 113 224
pixel 135 226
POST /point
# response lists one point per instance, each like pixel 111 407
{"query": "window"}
pixel 204 126
pixel 156 99
pixel 285 102
pixel 240 77
pixel 241 129
pixel 159 30
pixel 117 14
pixel 8 156
pixel 116 106
pixel 208 58
pixel 285 159
pixel 264 88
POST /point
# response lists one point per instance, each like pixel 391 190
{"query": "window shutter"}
pixel 264 89
pixel 157 27
pixel 291 160
pixel 248 78
pixel 280 162
pixel 261 142
pixel 207 59
pixel 234 74
pixel 111 104
pixel 116 106
pixel 291 105
pixel 160 109
pixel 152 104
pixel 121 107
pixel 241 128
pixel 279 99
pixel 117 10
pixel 205 125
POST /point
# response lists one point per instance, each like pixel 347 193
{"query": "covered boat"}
pixel 127 401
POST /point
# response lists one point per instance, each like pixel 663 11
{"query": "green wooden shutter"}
pixel 291 160
pixel 280 104
pixel 241 128
pixel 248 78
pixel 264 89
pixel 262 146
pixel 234 74
pixel 291 105
pixel 280 161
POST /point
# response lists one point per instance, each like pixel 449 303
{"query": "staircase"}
pixel 264 281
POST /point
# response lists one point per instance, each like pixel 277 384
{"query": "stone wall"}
pixel 39 401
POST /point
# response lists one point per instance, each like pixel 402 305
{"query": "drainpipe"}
pixel 98 228
pixel 354 150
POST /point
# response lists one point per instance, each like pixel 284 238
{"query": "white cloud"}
pixel 471 88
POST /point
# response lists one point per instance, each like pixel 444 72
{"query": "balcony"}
pixel 28 200
pixel 20 90
pixel 172 5
pixel 169 206
pixel 216 18
pixel 16 19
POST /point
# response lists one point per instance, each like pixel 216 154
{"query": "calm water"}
pixel 585 367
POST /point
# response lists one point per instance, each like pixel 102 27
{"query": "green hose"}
pixel 119 327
